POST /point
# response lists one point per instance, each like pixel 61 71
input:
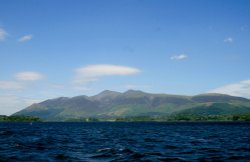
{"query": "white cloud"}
pixel 94 72
pixel 20 83
pixel 228 40
pixel 29 76
pixel 179 57
pixel 25 38
pixel 241 89
pixel 11 103
pixel 8 85
pixel 3 34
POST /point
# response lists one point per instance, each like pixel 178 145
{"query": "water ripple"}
pixel 124 142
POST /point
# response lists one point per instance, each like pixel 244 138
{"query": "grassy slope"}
pixel 136 103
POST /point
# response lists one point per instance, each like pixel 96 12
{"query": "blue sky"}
pixel 54 48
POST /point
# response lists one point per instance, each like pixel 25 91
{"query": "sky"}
pixel 54 48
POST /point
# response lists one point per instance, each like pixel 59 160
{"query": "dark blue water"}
pixel 125 142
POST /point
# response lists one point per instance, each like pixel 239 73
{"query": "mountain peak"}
pixel 135 103
pixel 105 94
pixel 134 92
pixel 108 92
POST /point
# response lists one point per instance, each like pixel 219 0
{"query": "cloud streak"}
pixel 228 40
pixel 29 76
pixel 241 89
pixel 92 73
pixel 10 85
pixel 179 57
pixel 21 80
pixel 3 34
pixel 25 38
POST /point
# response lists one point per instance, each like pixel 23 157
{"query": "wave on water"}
pixel 124 141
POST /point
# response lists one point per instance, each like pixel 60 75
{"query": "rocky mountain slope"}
pixel 136 103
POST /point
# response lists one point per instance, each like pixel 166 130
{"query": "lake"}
pixel 110 141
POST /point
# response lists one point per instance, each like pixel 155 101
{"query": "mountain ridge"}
pixel 108 104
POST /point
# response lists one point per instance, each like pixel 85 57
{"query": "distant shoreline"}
pixel 177 122
pixel 169 118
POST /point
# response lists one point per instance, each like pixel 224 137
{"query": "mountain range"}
pixel 111 104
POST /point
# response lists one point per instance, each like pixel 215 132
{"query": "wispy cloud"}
pixel 3 34
pixel 228 40
pixel 241 89
pixel 21 81
pixel 11 103
pixel 179 57
pixel 25 38
pixel 29 76
pixel 92 73
pixel 10 85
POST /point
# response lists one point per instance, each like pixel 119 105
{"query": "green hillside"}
pixel 110 104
